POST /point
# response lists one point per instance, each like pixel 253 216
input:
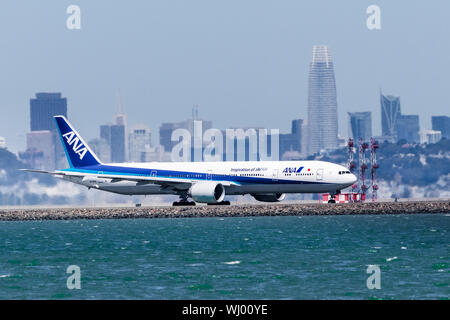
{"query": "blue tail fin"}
pixel 77 151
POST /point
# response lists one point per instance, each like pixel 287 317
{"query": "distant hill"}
pixel 23 188
pixel 10 165
pixel 405 164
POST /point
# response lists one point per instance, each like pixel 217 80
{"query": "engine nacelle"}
pixel 207 192
pixel 269 197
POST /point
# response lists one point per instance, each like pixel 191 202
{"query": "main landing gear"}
pixel 183 201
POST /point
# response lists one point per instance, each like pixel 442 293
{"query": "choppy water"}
pixel 228 258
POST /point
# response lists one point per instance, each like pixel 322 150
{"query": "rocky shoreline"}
pixel 279 209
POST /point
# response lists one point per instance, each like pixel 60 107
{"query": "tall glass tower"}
pixel 360 125
pixel 42 109
pixel 322 102
pixel 390 112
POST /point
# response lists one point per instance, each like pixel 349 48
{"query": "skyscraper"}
pixel 114 135
pixel 442 124
pixel 322 101
pixel 43 108
pixel 101 148
pixel 139 145
pixel 360 125
pixel 118 148
pixel 408 128
pixel 292 142
pixel 390 112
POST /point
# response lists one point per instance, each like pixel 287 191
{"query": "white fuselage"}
pixel 251 177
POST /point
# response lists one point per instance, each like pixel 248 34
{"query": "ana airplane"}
pixel 204 182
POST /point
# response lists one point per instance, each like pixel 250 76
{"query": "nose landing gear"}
pixel 332 196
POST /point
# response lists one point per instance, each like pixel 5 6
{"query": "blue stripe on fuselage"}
pixel 167 174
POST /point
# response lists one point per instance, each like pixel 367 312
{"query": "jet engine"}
pixel 269 197
pixel 207 192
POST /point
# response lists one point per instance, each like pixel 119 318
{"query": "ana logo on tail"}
pixel 77 146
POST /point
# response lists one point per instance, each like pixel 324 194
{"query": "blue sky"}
pixel 245 63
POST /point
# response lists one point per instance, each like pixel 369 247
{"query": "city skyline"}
pixel 117 144
pixel 167 57
pixel 119 119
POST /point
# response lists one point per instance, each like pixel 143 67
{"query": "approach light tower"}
pixel 351 160
pixel 363 146
pixel 374 166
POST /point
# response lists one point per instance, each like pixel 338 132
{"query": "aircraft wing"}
pixel 41 171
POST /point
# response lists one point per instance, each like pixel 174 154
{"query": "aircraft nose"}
pixel 353 178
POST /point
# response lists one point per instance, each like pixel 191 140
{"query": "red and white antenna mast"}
pixel 374 166
pixel 363 146
pixel 351 160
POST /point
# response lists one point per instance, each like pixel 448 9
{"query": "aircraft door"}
pixel 319 174
pixel 275 175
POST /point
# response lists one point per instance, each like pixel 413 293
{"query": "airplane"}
pixel 204 182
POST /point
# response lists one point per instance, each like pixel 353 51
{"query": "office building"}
pixel 442 124
pixel 390 112
pixel 430 136
pixel 115 135
pixel 165 133
pixel 292 142
pixel 322 101
pixel 117 143
pixel 408 128
pixel 101 148
pixel 360 125
pixel 43 108
pixel 139 143
pixel 158 154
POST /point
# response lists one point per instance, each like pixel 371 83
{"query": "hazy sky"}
pixel 245 63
